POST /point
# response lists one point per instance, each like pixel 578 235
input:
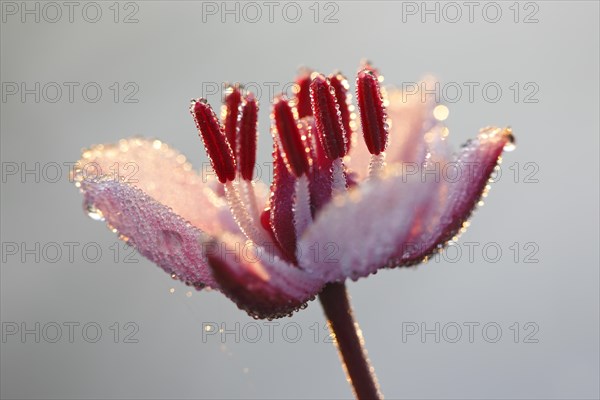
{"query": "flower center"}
pixel 312 135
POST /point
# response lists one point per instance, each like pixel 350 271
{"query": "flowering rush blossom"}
pixel 350 195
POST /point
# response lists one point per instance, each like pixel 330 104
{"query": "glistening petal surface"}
pixel 262 284
pixel 393 221
pixel 412 117
pixel 156 231
pixel 164 174
pixel 457 195
pixel 356 233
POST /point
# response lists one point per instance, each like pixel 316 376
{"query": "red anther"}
pixel 303 94
pixel 229 115
pixel 340 85
pixel 372 111
pixel 330 128
pixel 281 206
pixel 294 148
pixel 248 137
pixel 265 220
pixel 214 140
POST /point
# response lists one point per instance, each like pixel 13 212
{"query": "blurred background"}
pixel 510 312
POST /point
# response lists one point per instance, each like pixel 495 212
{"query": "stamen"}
pixel 367 65
pixel 303 93
pixel 328 177
pixel 372 111
pixel 281 205
pixel 302 213
pixel 218 150
pixel 250 227
pixel 340 85
pixel 247 137
pixel 229 115
pixel 329 124
pixel 338 184
pixel 265 220
pixel 294 149
pixel 377 165
pixel 248 198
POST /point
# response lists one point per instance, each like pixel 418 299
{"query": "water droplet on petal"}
pixel 510 146
pixel 169 241
pixel 441 112
pixel 94 213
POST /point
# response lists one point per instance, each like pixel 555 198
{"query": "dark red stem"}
pixel 336 305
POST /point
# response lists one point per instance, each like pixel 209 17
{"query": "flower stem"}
pixel 349 340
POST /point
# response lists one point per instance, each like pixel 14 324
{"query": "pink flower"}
pixel 349 195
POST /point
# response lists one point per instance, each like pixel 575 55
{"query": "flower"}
pixel 349 195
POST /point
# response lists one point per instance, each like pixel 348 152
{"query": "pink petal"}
pixel 399 219
pixel 412 117
pixel 262 284
pixel 356 234
pixel 162 173
pixel 155 230
pixel 457 198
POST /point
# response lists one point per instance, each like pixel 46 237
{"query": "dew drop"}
pixel 511 143
pixel 441 112
pixel 94 213
pixel 169 241
pixel 509 146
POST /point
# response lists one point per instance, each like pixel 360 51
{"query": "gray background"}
pixel 169 54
